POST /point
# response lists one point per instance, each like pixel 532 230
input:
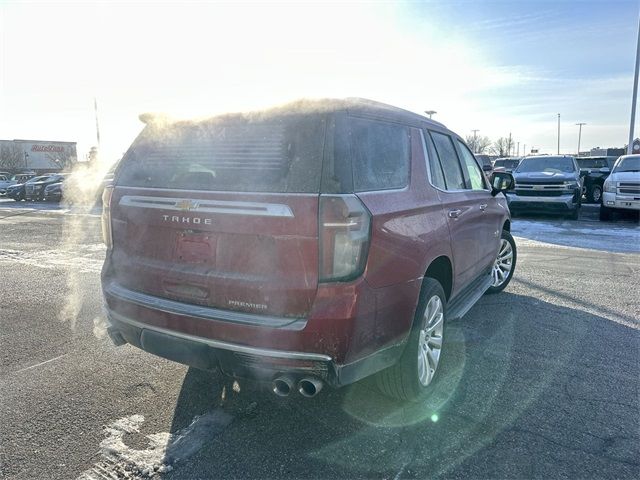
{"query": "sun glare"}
pixel 201 59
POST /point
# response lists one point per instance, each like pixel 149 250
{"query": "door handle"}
pixel 454 213
pixel 483 207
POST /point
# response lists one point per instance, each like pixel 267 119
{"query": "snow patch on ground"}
pixel 164 451
pixel 86 258
pixel 604 237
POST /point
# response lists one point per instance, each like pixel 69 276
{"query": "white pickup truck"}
pixel 622 187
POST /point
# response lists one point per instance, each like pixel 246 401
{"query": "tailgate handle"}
pixel 454 213
pixel 483 207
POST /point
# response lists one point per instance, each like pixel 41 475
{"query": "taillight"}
pixel 345 228
pixel 106 216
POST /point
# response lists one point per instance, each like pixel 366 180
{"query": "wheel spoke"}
pixel 506 256
pixel 436 324
pixel 421 368
pixel 435 342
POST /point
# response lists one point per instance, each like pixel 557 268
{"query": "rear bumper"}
pixel 338 342
pixel 562 203
pixel 623 202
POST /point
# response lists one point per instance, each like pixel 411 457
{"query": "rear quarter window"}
pixel 379 153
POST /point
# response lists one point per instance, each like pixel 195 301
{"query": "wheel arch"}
pixel 441 269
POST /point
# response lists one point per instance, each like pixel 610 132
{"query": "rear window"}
pixel 380 155
pixel 506 163
pixel 277 154
pixel 592 162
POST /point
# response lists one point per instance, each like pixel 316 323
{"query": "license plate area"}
pixel 195 247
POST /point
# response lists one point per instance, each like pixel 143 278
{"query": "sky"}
pixel 499 67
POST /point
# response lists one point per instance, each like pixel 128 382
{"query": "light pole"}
pixel 26 161
pixel 475 140
pixel 634 98
pixel 580 124
pixel 524 150
pixel 558 134
pixel 430 112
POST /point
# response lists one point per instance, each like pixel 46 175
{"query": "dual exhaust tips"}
pixel 307 386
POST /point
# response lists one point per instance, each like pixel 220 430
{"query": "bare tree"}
pixel 501 147
pixel 64 158
pixel 478 144
pixel 11 157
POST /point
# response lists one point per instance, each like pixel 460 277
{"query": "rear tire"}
pixel 410 378
pixel 595 194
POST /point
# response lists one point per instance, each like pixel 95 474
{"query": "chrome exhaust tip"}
pixel 309 387
pixel 282 386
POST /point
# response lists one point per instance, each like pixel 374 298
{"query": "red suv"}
pixel 319 242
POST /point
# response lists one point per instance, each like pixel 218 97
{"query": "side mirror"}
pixel 487 168
pixel 501 182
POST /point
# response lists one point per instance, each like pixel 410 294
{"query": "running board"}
pixel 460 305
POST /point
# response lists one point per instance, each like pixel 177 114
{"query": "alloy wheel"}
pixel 430 340
pixel 503 264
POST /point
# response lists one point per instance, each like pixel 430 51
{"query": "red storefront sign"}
pixel 47 148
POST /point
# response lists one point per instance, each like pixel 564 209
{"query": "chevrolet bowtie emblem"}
pixel 187 205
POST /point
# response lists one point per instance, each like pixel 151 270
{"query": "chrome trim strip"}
pixel 524 198
pixel 207 206
pixel 261 352
pixel 204 313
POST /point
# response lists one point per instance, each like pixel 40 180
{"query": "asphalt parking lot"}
pixel 538 381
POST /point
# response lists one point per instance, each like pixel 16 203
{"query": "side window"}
pixel 380 154
pixel 473 170
pixel 449 161
pixel 433 162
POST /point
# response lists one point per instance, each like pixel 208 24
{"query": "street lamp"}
pixel 430 112
pixel 580 124
pixel 26 160
pixel 558 134
pixel 634 96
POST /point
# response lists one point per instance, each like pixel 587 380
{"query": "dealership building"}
pixel 40 156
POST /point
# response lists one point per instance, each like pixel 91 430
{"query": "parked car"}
pixel 485 162
pixel 4 183
pixel 53 192
pixel 506 164
pixel 622 187
pixel 594 171
pixel 303 246
pixel 22 177
pixel 549 184
pixel 34 191
pixel 7 181
pixel 17 190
